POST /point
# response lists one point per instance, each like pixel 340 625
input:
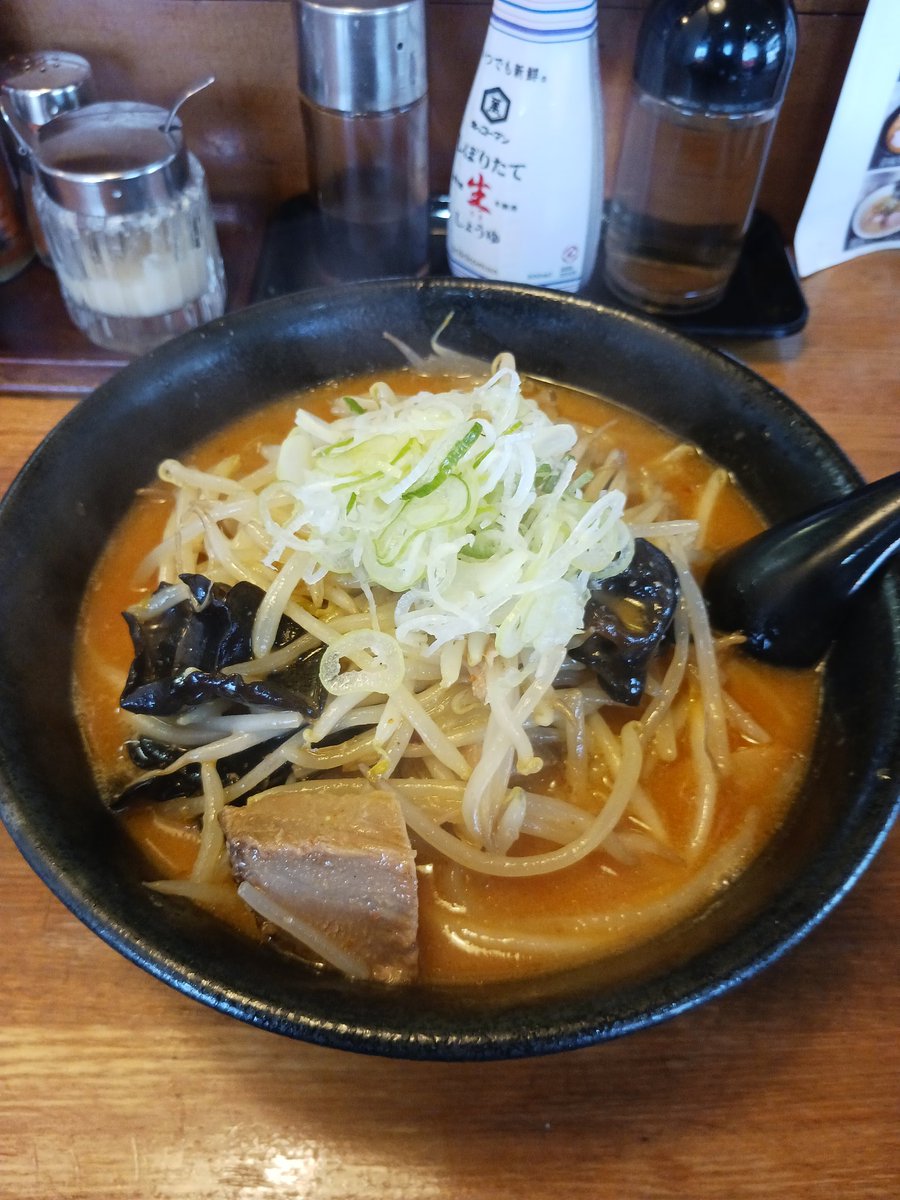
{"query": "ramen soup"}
pixel 881 216
pixel 415 680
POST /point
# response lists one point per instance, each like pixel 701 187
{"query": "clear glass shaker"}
pixel 126 212
pixel 36 88
pixel 364 103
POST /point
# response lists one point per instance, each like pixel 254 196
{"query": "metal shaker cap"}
pixel 112 158
pixel 363 56
pixel 42 85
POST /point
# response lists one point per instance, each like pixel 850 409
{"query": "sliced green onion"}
pixel 404 450
pixel 448 505
pixel 454 454
pixel 450 502
pixel 482 547
pixel 392 542
pixel 353 404
pixel 357 480
pixel 330 449
pixel 545 478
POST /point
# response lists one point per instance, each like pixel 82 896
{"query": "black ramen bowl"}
pixel 60 511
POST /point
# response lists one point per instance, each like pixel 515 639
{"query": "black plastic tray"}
pixel 763 299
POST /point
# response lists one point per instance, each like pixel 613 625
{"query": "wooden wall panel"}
pixel 246 129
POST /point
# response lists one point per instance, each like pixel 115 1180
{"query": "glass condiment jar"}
pixel 709 81
pixel 126 212
pixel 36 88
pixel 364 104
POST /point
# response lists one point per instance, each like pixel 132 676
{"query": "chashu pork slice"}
pixel 336 871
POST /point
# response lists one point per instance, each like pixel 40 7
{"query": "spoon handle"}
pixel 786 589
pixel 191 90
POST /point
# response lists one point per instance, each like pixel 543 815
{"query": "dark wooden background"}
pixel 246 130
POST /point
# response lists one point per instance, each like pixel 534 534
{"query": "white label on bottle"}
pixel 526 189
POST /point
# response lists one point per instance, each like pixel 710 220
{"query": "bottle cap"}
pixel 717 55
pixel 42 85
pixel 367 56
pixel 112 158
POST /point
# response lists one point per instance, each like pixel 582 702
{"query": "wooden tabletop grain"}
pixel 114 1086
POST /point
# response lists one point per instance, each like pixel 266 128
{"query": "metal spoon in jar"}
pixel 787 588
pixel 191 90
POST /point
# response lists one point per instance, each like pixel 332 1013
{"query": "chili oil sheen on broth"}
pixel 622 801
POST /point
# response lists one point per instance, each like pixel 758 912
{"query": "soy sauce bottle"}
pixel 526 185
pixel 708 84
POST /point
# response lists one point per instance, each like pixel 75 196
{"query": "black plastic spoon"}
pixel 787 588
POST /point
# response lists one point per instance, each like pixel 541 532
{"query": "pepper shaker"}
pixel 38 87
pixel 363 83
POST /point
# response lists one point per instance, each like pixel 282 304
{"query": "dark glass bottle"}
pixel 709 81
pixel 16 250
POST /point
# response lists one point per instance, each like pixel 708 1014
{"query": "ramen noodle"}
pixel 421 685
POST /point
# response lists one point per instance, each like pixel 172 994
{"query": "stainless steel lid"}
pixel 362 57
pixel 42 85
pixel 112 158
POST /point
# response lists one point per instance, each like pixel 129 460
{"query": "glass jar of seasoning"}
pixel 363 91
pixel 709 81
pixel 36 88
pixel 127 216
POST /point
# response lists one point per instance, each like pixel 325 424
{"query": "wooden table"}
pixel 114 1086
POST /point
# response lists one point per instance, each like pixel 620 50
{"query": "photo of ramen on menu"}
pixel 853 206
pixel 878 213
